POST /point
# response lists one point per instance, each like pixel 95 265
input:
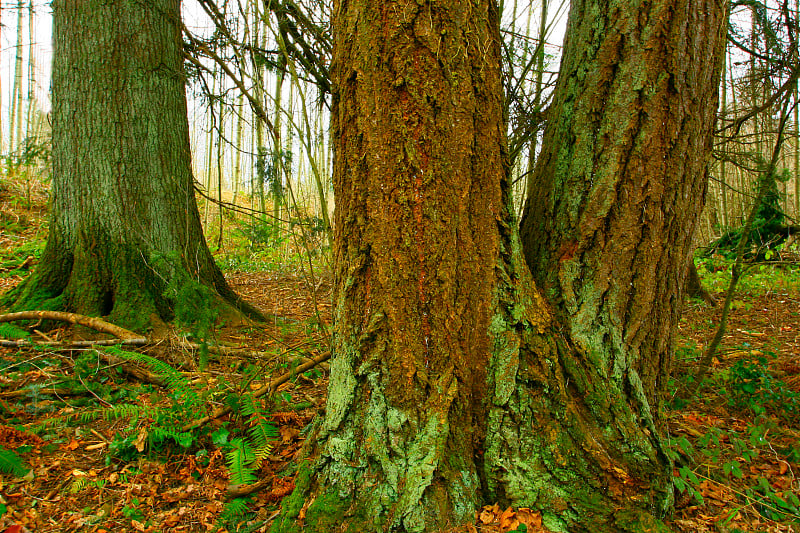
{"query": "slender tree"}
pixel 453 381
pixel 16 91
pixel 125 236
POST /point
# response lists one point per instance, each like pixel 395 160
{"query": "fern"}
pixel 233 513
pixel 240 458
pixel 159 434
pixel 8 331
pixel 261 432
pixel 11 463
pixel 183 392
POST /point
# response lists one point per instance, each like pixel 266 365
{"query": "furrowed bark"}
pixel 454 382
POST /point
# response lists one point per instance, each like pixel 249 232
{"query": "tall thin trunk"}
pixel 220 177
pixel 209 174
pixel 797 133
pixel 2 132
pixel 723 185
pixel 32 107
pixel 537 95
pixel 16 93
pixel 278 159
pixel 237 158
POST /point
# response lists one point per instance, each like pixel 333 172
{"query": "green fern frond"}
pixel 78 485
pixel 158 434
pixel 174 380
pixel 11 463
pixel 234 512
pixel 261 453
pixel 261 431
pixel 240 459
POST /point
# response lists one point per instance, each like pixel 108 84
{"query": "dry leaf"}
pixel 529 518
pixel 508 520
pixel 486 516
pixel 141 439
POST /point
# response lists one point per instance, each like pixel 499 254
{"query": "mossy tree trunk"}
pixel 621 179
pixel 124 224
pixel 453 382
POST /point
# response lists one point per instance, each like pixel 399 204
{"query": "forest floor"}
pixel 87 446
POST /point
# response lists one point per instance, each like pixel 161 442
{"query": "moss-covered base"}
pixel 127 289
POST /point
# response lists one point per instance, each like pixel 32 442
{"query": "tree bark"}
pixel 621 179
pixel 453 381
pixel 125 236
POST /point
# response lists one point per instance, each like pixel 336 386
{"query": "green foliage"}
pixel 716 274
pixel 187 401
pixel 752 386
pixel 262 432
pixel 727 452
pixel 32 151
pixel 11 463
pixel 196 306
pixel 768 228
pixel 9 331
pixel 234 513
pixel 132 512
pixel 241 458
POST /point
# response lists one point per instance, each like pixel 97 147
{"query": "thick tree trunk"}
pixel 621 181
pixel 125 226
pixel 452 382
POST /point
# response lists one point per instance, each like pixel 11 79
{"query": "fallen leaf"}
pixel 141 439
pixel 486 516
pixel 508 520
pixel 529 518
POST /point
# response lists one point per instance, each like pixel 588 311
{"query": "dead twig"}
pixel 269 387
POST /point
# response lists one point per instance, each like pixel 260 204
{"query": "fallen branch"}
pixel 271 386
pixel 73 318
pixel 73 344
pixel 239 491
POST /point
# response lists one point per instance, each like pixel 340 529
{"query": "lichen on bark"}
pixel 455 380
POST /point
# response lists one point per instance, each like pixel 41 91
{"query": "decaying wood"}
pixel 68 345
pixel 238 491
pixel 73 318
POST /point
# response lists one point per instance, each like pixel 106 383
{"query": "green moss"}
pixel 638 521
pixel 291 505
pixel 327 513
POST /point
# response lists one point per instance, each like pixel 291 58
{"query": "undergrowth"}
pixel 716 455
pixel 155 429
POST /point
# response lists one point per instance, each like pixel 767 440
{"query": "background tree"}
pixel 452 383
pixel 125 237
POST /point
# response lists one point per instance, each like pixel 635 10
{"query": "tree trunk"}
pixel 621 181
pixel 452 383
pixel 125 236
pixel 16 92
pixel 694 285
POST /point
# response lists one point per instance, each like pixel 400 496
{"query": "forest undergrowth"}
pixel 200 429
